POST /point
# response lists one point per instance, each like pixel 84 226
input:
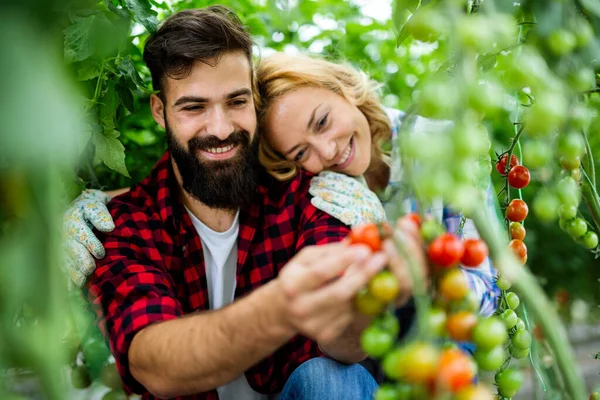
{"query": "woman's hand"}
pixel 346 199
pixel 86 211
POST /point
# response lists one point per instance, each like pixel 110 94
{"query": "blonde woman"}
pixel 327 119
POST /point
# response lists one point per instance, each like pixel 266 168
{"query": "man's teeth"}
pixel 346 154
pixel 218 150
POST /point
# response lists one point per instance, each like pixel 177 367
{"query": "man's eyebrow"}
pixel 239 92
pixel 190 99
pixel 312 117
pixel 198 99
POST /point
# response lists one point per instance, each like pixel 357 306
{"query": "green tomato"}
pixel 386 391
pixel 437 100
pixel 115 395
pixel 510 318
pixel 489 333
pixel 577 227
pixel 393 362
pixel 583 79
pixel 568 191
pixel 590 240
pixel 567 212
pixel 368 304
pixel 427 24
pixel 583 32
pixel 430 229
pixel 521 339
pixel 388 323
pixel 580 117
pixel 487 98
pixel 520 325
pixel 376 342
pixel 569 163
pixel 562 42
pixel 503 283
pixel 509 382
pixel 537 154
pixel 512 299
pixel 490 360
pixel 545 206
pixel 547 114
pixel 563 224
pixel 436 321
pixel 518 353
pixel 595 396
pixel 571 145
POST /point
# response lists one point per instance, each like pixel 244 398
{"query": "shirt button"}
pixel 183 249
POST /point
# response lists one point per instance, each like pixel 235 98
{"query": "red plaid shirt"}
pixel 154 266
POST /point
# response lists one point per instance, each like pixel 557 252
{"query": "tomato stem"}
pixel 526 286
pixel 422 302
pixel 590 195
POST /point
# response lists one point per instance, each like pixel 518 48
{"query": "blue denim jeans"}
pixel 323 378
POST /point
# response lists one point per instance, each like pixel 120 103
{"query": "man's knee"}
pixel 325 377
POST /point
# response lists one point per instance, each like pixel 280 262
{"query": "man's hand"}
pixel 320 283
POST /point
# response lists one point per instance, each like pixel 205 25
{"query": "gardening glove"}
pixel 345 198
pixel 86 211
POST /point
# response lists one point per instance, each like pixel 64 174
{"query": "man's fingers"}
pixel 346 287
pixel 310 271
pixel 99 216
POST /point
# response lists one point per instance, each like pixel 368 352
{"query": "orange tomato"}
pixel 456 370
pixel 460 325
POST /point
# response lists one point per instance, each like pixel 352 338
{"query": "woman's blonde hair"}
pixel 281 73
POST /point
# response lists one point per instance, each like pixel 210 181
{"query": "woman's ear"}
pixel 158 109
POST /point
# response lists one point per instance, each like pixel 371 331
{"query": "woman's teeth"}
pixel 218 150
pixel 346 154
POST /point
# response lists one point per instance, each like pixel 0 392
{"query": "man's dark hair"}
pixel 194 35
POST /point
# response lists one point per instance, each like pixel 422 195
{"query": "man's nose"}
pixel 219 123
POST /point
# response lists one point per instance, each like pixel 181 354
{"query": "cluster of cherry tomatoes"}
pixel 518 176
pixel 432 364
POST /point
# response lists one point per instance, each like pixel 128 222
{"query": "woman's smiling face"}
pixel 319 130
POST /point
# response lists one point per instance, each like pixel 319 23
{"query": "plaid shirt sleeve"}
pixel 130 288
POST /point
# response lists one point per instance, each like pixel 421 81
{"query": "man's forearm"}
pixel 203 351
pixel 346 348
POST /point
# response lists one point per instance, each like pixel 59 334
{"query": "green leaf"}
pixel 143 13
pixel 88 69
pixel 82 35
pixel 125 95
pixel 128 70
pixel 108 108
pixel 112 153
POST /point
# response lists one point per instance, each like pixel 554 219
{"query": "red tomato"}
pixel 460 325
pixel 446 250
pixel 517 231
pixel 501 164
pixel 519 248
pixel 456 370
pixel 367 234
pixel 475 252
pixel 519 177
pixel 517 210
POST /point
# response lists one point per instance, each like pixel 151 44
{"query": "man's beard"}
pixel 221 184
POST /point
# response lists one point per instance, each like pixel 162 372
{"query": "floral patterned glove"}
pixel 345 198
pixel 86 211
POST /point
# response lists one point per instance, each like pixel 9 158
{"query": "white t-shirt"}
pixel 220 259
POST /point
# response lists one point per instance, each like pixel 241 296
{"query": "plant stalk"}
pixel 526 286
